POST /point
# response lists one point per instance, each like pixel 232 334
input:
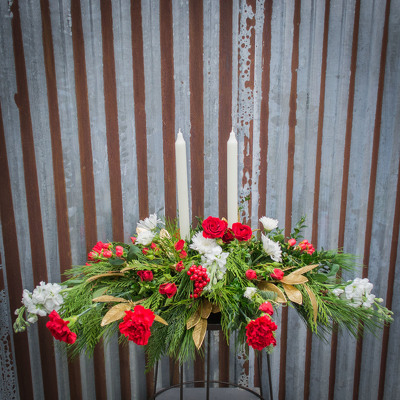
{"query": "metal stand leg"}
pixel 259 361
pixel 181 382
pixel 271 397
pixel 208 365
pixel 155 381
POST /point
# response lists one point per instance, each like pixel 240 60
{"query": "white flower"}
pixel 148 224
pixel 337 292
pixel 216 267
pixel 269 223
pixel 250 292
pixel 145 237
pixel 358 292
pixel 32 318
pixel 205 246
pixel 273 249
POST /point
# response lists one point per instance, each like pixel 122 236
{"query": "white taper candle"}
pixel 182 185
pixel 232 179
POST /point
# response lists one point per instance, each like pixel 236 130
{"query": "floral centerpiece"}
pixel 160 290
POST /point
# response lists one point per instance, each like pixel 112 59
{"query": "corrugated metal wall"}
pixel 92 94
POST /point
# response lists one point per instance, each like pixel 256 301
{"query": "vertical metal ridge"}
pixel 264 117
pixel 38 254
pixel 139 102
pixel 289 181
pixel 321 113
pixel 225 99
pixel 345 182
pixel 112 132
pixel 64 244
pixel 372 187
pixel 390 283
pixel 13 269
pixel 196 106
pixel 86 161
pixel 168 106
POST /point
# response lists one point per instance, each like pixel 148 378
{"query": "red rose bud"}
pixel 266 308
pixel 119 250
pixel 133 239
pixel 277 274
pixel 292 242
pixel 242 232
pixel 136 325
pixel 183 254
pixel 145 275
pixel 214 228
pixel 179 266
pixel 168 288
pixel 107 253
pixel 92 255
pixel 228 236
pixel 59 329
pixel 153 246
pixel 145 250
pixel 179 245
pixel 306 246
pixel 251 274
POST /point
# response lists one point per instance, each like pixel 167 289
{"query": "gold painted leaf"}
pixel 133 265
pixel 305 269
pixel 270 287
pixel 215 308
pixel 293 293
pixel 164 234
pixel 206 308
pixel 193 320
pixel 159 319
pixel 115 313
pixel 314 303
pixel 199 333
pixel 93 278
pixel 294 279
pixel 106 299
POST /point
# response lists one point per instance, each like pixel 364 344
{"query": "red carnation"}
pixel 266 308
pixel 136 325
pixel 168 288
pixel 214 227
pixel 145 275
pixel 251 274
pixel 277 274
pixel 228 236
pixel 242 232
pixel 179 245
pixel 59 329
pixel 179 266
pixel 183 254
pixel 119 250
pixel 260 332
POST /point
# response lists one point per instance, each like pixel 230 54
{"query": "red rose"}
pixel 266 308
pixel 145 275
pixel 119 250
pixel 92 255
pixel 133 239
pixel 107 253
pixel 145 250
pixel 136 325
pixel 277 274
pixel 100 246
pixel 153 246
pixel 179 245
pixel 228 236
pixel 292 242
pixel 168 288
pixel 242 232
pixel 182 254
pixel 214 228
pixel 260 332
pixel 306 246
pixel 179 266
pixel 251 274
pixel 59 329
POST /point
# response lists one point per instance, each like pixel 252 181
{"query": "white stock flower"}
pixel 273 249
pixel 358 292
pixel 269 223
pixel 337 292
pixel 205 246
pixel 250 292
pixel 145 237
pixel 148 224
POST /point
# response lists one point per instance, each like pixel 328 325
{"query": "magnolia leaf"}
pixel 193 320
pixel 294 279
pixel 293 293
pixel 199 333
pixel 270 287
pixel 206 308
pixel 117 261
pixel 164 234
pixel 93 278
pixel 314 303
pixel 305 269
pixel 159 319
pixel 106 299
pixel 115 313
pixel 215 308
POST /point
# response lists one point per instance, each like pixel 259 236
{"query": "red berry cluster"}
pixel 198 274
